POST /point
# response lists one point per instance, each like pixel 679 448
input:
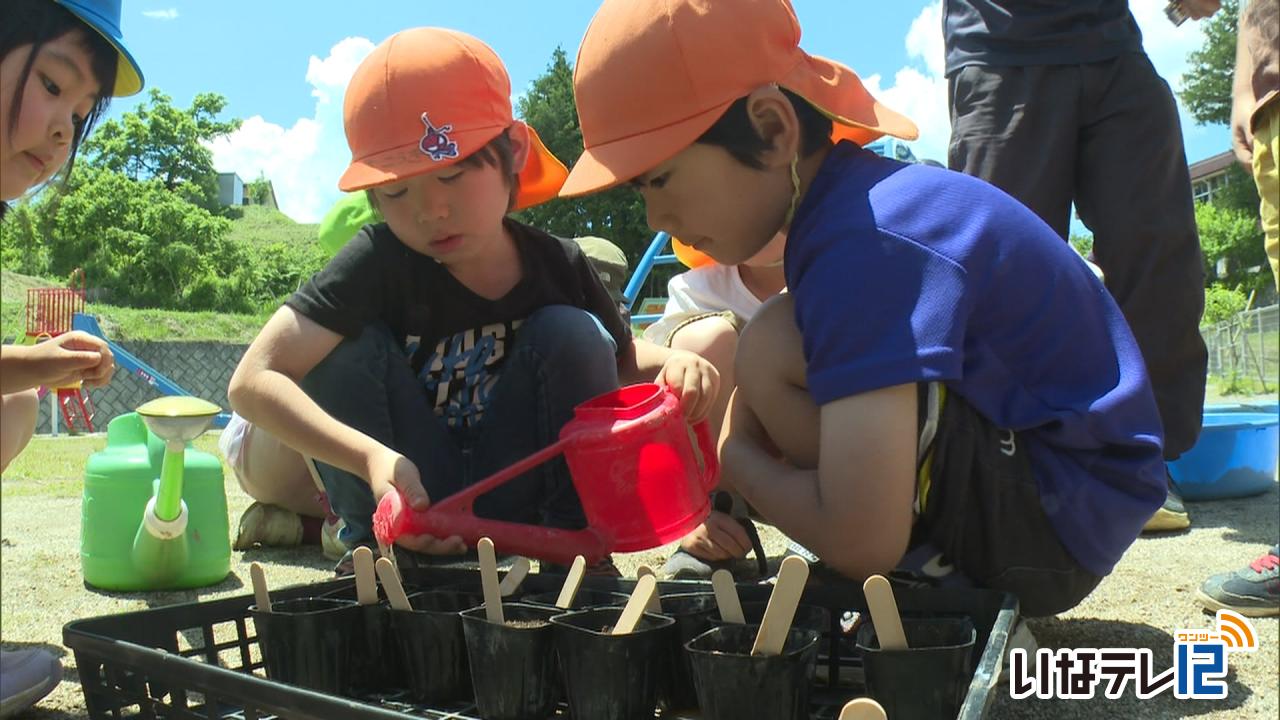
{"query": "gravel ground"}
pixel 1140 605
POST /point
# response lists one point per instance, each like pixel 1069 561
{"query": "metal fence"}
pixel 1247 347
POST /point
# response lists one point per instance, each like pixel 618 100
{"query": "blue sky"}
pixel 283 66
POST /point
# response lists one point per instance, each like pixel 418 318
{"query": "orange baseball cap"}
pixel 653 75
pixel 425 99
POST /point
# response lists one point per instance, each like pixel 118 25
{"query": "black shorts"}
pixel 979 504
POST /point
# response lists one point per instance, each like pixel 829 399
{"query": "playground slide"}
pixel 133 364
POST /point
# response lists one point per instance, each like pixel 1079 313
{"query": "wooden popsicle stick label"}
pixel 646 588
pixel 511 582
pixel 727 597
pixel 366 586
pixel 655 605
pixel 391 583
pixel 884 613
pixel 489 581
pixel 260 595
pixel 776 623
pixel 571 583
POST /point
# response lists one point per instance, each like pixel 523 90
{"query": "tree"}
pixel 1207 83
pixel 142 244
pixel 1231 241
pixel 617 215
pixel 165 143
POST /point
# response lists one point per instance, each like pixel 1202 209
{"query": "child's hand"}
pixel 720 537
pixel 390 471
pixel 694 380
pixel 70 358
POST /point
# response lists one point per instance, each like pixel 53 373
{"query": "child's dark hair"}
pixel 37 22
pixel 734 132
pixel 496 153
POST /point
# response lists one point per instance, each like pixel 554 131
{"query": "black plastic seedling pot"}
pixel 931 677
pixel 585 599
pixel 732 683
pixel 692 613
pixel 513 665
pixel 308 641
pixel 612 677
pixel 431 647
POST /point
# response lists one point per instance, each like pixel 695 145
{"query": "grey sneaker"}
pixel 25 677
pixel 1252 591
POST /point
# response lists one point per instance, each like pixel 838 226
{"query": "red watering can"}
pixel 642 473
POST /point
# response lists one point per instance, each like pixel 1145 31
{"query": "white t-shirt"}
pixel 710 288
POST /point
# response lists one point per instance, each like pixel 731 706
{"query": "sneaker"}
pixel 1252 591
pixel 268 526
pixel 25 677
pixel 684 565
pixel 1171 516
pixel 332 547
pixel 1020 638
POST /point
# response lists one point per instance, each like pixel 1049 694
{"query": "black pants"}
pixel 1106 136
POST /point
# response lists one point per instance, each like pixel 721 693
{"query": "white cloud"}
pixel 919 88
pixel 304 161
pixel 170 14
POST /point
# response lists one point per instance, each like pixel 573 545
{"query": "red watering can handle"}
pixel 710 457
pixel 455 515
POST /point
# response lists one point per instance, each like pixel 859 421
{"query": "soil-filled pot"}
pixel 513 665
pixel 585 598
pixel 430 645
pixel 931 677
pixel 612 677
pixel 307 641
pixel 374 666
pixel 808 617
pixel 692 613
pixel 734 684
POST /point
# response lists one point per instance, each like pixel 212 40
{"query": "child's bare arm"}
pixel 854 510
pixel 265 391
pixel 695 379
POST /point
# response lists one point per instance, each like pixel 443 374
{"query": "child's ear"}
pixel 774 120
pixel 519 134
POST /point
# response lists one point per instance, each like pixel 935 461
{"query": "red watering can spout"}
pixel 642 473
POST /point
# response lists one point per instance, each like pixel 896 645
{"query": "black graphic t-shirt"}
pixel 456 340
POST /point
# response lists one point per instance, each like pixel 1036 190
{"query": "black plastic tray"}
pixel 200 660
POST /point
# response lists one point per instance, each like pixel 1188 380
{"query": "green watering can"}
pixel 140 532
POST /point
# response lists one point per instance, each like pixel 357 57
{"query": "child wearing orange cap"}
pixel 450 340
pixel 945 387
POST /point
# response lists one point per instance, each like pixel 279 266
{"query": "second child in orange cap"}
pixel 450 340
pixel 946 390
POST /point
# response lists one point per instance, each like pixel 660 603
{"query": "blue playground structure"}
pixel 131 362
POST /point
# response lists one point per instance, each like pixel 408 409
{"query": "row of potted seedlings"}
pixel 605 654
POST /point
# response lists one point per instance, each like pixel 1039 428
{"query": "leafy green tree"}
pixel 159 141
pixel 617 215
pixel 1231 240
pixel 141 243
pixel 22 247
pixel 1206 87
pixel 1222 303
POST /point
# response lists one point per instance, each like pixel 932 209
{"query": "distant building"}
pixel 1209 175
pixel 233 191
pixel 230 189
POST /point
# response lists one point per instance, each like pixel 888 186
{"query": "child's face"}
pixel 451 215
pixel 60 92
pixel 716 204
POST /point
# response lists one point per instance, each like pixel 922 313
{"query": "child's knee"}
pixel 563 331
pixel 18 414
pixel 771 346
pixel 713 338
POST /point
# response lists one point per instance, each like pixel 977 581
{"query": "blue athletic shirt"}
pixel 910 273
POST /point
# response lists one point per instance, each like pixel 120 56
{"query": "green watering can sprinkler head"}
pixel 160 547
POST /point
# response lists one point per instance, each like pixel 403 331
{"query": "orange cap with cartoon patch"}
pixel 425 99
pixel 653 75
